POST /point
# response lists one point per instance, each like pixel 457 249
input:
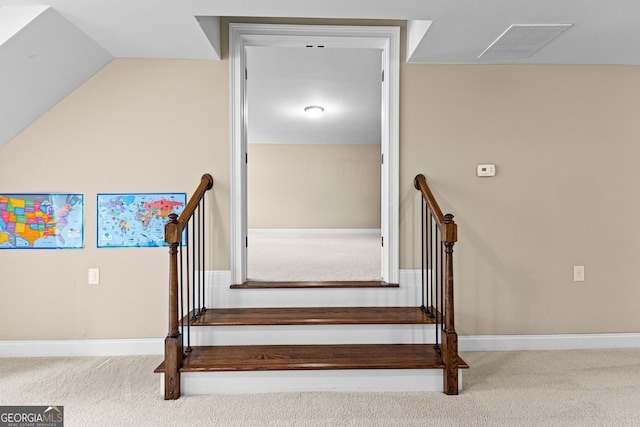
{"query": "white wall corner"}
pixel 210 26
pixel 416 30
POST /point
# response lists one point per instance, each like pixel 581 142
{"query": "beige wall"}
pixel 564 139
pixel 566 143
pixel 314 186
pixel 116 133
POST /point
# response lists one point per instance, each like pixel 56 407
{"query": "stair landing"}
pixel 298 285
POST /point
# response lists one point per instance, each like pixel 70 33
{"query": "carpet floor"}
pixel 533 388
pixel 314 257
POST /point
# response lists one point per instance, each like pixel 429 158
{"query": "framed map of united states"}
pixel 41 221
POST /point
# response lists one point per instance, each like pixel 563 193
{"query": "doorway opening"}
pixel 385 40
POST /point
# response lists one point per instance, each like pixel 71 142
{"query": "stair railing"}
pixel 439 234
pixel 190 226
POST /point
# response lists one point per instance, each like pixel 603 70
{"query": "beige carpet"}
pixel 314 257
pixel 536 388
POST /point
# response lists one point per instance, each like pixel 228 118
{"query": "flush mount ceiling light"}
pixel 314 110
pixel 522 40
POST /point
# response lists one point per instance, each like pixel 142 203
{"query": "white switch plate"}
pixel 486 170
pixel 578 273
pixel 94 276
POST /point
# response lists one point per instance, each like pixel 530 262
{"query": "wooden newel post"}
pixel 173 341
pixel 450 237
pixel 449 335
pixel 170 231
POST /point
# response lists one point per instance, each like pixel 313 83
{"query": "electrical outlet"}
pixel 94 276
pixel 578 273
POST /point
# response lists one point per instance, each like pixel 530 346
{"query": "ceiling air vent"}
pixel 521 41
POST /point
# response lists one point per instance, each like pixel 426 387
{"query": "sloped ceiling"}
pixel 41 61
pixel 47 48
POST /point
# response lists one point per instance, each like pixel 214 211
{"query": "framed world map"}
pixel 136 219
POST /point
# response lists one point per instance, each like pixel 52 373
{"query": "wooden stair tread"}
pixel 311 357
pixel 311 284
pixel 312 316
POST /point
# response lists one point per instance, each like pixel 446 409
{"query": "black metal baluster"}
pixel 188 350
pixel 199 247
pixel 192 271
pixel 204 246
pixel 181 301
pixel 435 265
pixel 442 280
pixel 422 219
pixel 435 285
pixel 432 314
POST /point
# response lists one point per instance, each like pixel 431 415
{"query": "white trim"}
pixel 339 380
pixel 219 295
pixel 155 346
pixel 312 334
pixel 69 348
pixel 385 38
pixel 314 231
pixel 411 277
pixel 238 167
pixel 217 279
pixel 548 342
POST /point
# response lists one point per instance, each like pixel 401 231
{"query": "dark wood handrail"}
pixel 420 182
pixel 173 230
pixel 173 236
pixel 447 227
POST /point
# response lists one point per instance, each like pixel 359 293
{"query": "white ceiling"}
pixel 603 32
pixel 439 31
pixel 347 83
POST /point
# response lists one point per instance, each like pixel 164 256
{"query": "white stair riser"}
pixel 339 380
pixel 312 297
pixel 311 334
pixel 219 295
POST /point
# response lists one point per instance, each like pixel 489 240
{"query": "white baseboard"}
pixel 548 342
pixel 72 348
pixel 155 346
pixel 314 231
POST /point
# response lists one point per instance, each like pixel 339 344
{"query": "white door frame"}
pixel 385 38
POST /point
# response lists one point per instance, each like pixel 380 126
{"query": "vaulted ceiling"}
pixel 48 48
